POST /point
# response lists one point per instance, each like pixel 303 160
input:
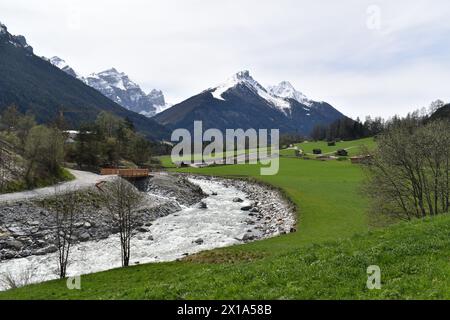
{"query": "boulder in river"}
pixel 198 241
pixel 246 208
pixel 142 229
pixel 237 199
pixel 248 237
pixel 85 236
pixel 14 244
pixel 202 205
pixel 50 249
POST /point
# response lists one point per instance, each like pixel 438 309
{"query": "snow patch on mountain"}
pixel 286 90
pixel 158 109
pixel 163 107
pixel 244 78
pixel 118 87
pixel 61 64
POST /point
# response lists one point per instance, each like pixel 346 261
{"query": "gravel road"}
pixel 82 180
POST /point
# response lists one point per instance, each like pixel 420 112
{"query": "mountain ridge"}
pixel 242 102
pixel 118 87
pixel 36 86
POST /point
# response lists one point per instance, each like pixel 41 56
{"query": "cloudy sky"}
pixel 364 57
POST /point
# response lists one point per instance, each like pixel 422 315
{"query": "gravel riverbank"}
pixel 28 228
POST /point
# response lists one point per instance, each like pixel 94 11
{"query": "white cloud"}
pixel 184 46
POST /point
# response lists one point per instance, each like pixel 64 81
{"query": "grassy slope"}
pixel 354 147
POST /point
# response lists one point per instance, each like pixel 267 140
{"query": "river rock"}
pixel 14 244
pixel 246 208
pixel 85 236
pixel 142 229
pixel 17 231
pixel 202 205
pixel 237 200
pixel 198 241
pixel 248 237
pixel 50 249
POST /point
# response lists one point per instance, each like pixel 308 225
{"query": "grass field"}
pixel 354 147
pixel 326 258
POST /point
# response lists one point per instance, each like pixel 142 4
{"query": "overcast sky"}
pixel 363 57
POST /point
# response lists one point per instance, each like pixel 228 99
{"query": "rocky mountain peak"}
pixel 61 64
pixel 243 75
pixel 3 28
pixel 17 41
pixel 118 87
pixel 286 90
pixel 244 78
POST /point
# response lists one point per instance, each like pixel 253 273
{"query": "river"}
pixel 169 238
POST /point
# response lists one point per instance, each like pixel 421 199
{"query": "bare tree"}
pixel 65 208
pixel 18 278
pixel 122 200
pixel 409 173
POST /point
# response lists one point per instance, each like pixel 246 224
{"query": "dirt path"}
pixel 82 180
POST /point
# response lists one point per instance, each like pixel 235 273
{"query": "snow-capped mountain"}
pixel 244 78
pixel 61 64
pixel 286 90
pixel 118 87
pixel 242 102
pixel 37 87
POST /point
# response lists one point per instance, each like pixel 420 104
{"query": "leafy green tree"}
pixel 9 118
pixel 44 151
pixel 24 125
pixel 108 123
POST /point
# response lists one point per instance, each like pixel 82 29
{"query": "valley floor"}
pixel 326 258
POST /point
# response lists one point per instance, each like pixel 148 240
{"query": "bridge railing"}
pixel 126 173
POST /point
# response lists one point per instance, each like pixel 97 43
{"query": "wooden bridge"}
pixel 125 173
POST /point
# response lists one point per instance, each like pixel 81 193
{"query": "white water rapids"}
pixel 220 225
